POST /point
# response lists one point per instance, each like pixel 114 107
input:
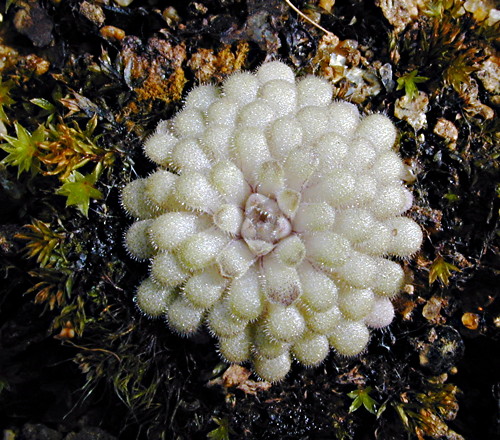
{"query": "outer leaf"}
pixel 382 408
pixel 369 403
pixel 8 3
pixel 43 103
pixel 357 402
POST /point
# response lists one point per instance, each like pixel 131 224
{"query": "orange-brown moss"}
pixel 208 66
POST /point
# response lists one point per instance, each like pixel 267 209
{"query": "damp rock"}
pixel 90 433
pixel 489 74
pixel 413 110
pixel 37 431
pixel 441 349
pixel 399 13
pixel 447 130
pixel 33 21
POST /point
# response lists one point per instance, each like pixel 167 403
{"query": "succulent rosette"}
pixel 274 217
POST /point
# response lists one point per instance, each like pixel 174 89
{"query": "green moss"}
pixel 79 189
pixel 361 397
pixel 5 99
pixel 23 149
pixel 409 82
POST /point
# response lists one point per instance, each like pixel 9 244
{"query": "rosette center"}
pixel 264 224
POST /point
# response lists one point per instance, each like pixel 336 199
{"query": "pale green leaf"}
pixel 409 82
pixel 362 398
pixel 43 103
pixel 222 431
pixel 441 270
